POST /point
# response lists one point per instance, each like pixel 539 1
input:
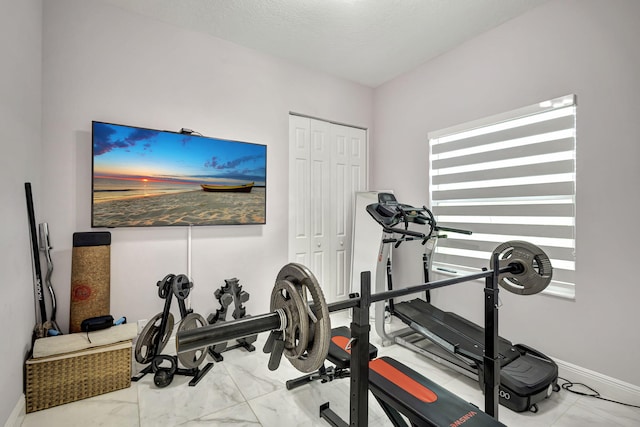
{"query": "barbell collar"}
pixel 205 336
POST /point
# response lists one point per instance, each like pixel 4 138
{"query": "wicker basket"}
pixel 55 380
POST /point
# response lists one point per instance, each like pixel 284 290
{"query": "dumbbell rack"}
pixel 230 293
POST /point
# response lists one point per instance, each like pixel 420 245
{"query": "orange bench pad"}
pixel 393 375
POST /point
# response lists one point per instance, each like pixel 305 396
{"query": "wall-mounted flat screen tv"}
pixel 145 177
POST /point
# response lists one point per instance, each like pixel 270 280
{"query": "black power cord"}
pixel 568 385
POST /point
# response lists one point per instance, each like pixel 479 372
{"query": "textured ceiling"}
pixel 366 41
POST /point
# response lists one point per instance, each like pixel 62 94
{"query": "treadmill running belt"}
pixel 466 337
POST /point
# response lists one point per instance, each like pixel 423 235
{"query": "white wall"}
pixel 99 63
pixel 102 63
pixel 20 142
pixel 586 47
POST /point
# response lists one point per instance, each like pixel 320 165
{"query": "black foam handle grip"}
pixel 453 230
pixel 91 238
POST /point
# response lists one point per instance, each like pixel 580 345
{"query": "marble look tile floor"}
pixel 241 391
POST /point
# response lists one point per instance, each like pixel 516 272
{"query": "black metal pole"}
pixel 425 275
pixel 194 339
pixel 491 369
pixel 165 319
pixel 390 284
pixel 35 254
pixel 343 305
pixel 437 284
pixel 360 327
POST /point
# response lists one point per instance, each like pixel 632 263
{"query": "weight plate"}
pixel 181 286
pixel 286 296
pixel 146 349
pixel 193 358
pixel 534 270
pixel 320 330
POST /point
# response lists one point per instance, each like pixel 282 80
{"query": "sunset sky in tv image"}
pixel 131 153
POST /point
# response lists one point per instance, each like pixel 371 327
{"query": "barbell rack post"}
pixel 360 329
pixel 491 365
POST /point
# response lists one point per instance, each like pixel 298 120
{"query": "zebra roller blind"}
pixel 508 177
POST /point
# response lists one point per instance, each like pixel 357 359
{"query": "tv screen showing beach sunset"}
pixel 144 177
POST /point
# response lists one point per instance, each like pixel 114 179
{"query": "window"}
pixel 508 177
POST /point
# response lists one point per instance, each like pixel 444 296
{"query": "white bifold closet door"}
pixel 327 166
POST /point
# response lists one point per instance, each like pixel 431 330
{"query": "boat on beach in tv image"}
pixel 241 188
pixel 144 177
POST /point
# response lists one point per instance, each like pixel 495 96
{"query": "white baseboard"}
pixel 17 415
pixel 608 387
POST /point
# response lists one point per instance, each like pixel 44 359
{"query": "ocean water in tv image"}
pixel 105 189
pixel 143 177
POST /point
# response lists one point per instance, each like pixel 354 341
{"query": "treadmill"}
pixel 526 375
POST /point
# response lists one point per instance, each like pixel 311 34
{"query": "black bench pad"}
pixel 338 355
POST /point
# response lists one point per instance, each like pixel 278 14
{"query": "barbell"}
pixel 299 321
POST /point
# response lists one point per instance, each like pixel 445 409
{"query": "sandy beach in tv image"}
pixel 144 177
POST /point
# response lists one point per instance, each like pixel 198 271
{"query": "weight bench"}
pixel 399 390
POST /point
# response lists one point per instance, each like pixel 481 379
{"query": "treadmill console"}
pixel 387 207
pixel 387 199
pixel 390 214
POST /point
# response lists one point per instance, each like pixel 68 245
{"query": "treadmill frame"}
pixel 419 339
pixel 440 351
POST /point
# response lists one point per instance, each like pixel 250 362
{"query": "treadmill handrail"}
pixel 404 232
pixel 453 230
pixel 404 214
